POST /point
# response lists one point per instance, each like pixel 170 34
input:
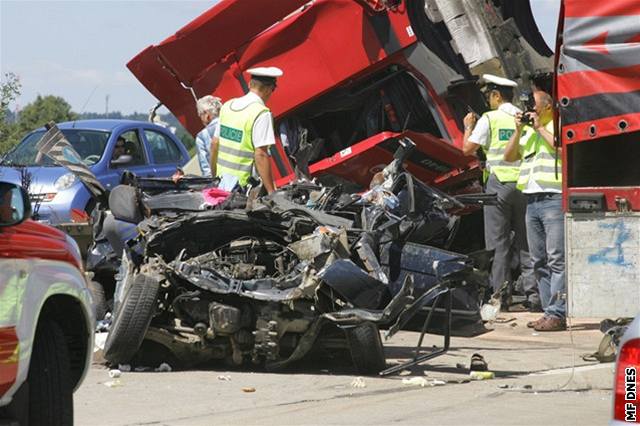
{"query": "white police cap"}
pixel 272 72
pixel 498 81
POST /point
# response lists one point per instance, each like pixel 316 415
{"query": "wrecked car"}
pixel 307 265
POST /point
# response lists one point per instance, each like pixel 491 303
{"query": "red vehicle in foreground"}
pixel 46 317
pixel 358 75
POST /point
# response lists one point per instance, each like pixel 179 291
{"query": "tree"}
pixel 9 90
pixel 43 110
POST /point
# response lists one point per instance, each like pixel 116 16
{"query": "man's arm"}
pixel 512 150
pixel 263 166
pixel 468 147
pixel 214 156
pixel 542 131
pixel 202 153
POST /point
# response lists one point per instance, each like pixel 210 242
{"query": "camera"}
pixel 528 105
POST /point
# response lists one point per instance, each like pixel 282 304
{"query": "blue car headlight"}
pixel 65 181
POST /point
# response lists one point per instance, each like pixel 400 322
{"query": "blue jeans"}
pixel 545 234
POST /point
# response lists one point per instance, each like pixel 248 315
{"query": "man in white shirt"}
pixel 240 147
pixel 504 223
pixel 208 111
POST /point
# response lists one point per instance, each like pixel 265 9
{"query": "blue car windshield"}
pixel 89 144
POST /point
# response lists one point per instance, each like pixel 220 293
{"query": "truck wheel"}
pixel 49 378
pixel 131 319
pixel 366 348
pixel 99 301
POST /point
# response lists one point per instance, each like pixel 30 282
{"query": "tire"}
pixel 366 348
pixel 99 300
pixel 131 319
pixel 49 378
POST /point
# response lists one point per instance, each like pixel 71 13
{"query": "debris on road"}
pixel 482 375
pixel 163 368
pixel 358 383
pixel 125 368
pixel 224 378
pixel 114 374
pixel 458 381
pixel 113 383
pixel 422 382
pixel 415 381
pixel 99 341
pixel 248 390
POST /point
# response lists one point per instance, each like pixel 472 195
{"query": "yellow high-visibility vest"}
pixel 539 161
pixel 235 146
pixel 502 126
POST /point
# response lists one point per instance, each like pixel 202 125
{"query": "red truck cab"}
pixel 358 75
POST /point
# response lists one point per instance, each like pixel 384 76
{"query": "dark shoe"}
pixel 478 363
pixel 532 324
pixel 551 324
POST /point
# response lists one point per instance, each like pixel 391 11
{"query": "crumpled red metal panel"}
pixel 201 52
pixel 219 31
pixel 598 66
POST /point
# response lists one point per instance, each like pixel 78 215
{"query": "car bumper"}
pixel 59 209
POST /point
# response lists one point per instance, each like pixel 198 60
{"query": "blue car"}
pixel 108 147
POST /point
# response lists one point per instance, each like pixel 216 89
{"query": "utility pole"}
pixel 106 106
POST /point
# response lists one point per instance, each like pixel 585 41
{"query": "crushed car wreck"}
pixel 264 283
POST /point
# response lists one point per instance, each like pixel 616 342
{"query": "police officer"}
pixel 504 223
pixel 240 147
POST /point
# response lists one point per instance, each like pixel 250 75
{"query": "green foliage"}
pixel 36 114
pixel 43 110
pixel 9 90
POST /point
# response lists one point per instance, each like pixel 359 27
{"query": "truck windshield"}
pixel 89 144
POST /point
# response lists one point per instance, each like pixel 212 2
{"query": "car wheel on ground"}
pixel 131 319
pixel 49 379
pixel 366 348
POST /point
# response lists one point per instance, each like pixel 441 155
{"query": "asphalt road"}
pixel 535 384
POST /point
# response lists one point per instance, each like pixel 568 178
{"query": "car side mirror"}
pixel 122 160
pixel 15 206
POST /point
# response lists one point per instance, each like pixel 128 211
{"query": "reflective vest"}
pixel 235 146
pixel 539 162
pixel 502 126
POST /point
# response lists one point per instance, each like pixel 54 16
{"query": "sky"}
pixel 78 49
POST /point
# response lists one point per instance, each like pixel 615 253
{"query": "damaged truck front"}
pixel 306 266
pixel 358 76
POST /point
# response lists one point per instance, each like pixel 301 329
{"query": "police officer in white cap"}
pixel 240 147
pixel 492 132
